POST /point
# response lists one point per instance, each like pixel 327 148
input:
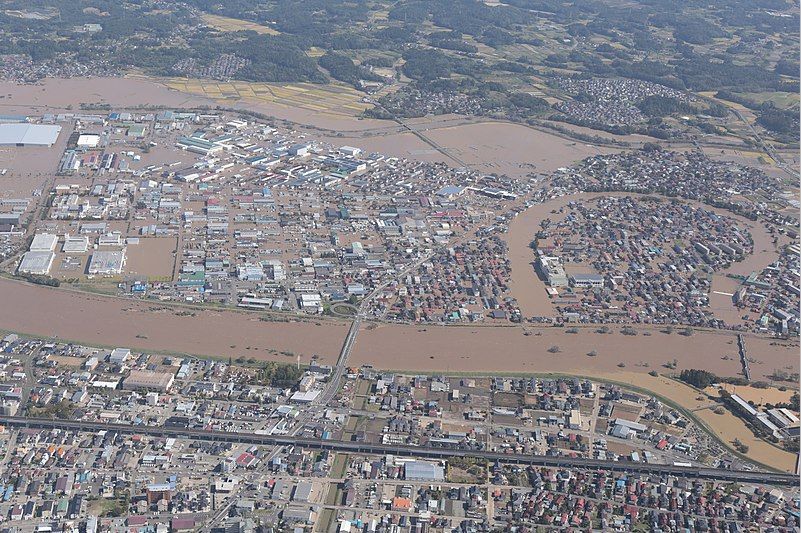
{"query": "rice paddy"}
pixel 331 98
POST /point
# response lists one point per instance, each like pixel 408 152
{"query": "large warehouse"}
pixel 43 242
pixel 107 262
pixel 16 134
pixel 36 262
pixel 143 379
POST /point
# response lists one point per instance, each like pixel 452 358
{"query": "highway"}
pixel 738 476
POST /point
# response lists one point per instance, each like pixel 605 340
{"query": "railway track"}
pixel 699 472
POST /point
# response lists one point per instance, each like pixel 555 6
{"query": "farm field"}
pixel 231 24
pixel 333 98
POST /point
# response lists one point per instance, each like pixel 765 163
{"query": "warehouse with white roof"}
pixel 36 263
pixel 43 242
pixel 103 262
pixel 21 134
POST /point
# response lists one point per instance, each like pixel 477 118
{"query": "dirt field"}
pixel 106 321
pixel 230 24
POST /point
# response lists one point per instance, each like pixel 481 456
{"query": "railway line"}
pixel 699 472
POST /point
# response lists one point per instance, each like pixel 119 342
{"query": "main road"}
pixel 350 339
pixel 738 476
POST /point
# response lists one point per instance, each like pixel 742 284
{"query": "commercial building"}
pixel 28 134
pixel 423 471
pixel 304 397
pixel 552 270
pixel 153 381
pixel 88 140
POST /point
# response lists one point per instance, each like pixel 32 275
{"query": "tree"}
pixel 698 378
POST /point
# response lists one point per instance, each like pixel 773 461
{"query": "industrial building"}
pixel 423 471
pixel 107 262
pixel 587 280
pixel 43 242
pixel 36 263
pixel 75 244
pixel 152 381
pixel 119 355
pixel 21 134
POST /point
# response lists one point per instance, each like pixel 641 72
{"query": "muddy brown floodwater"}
pixel 509 349
pixel 100 320
pixel 529 289
pixel 487 146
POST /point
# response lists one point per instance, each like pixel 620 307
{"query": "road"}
pixel 766 146
pixel 739 476
pixel 350 339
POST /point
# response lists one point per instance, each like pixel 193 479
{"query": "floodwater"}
pixel 509 349
pixel 511 149
pixel 759 396
pixel 148 325
pixel 58 95
pixel 29 167
pixel 62 95
pixel 487 146
pixel 152 257
pixel 529 289
pixel 525 285
pixel 726 426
